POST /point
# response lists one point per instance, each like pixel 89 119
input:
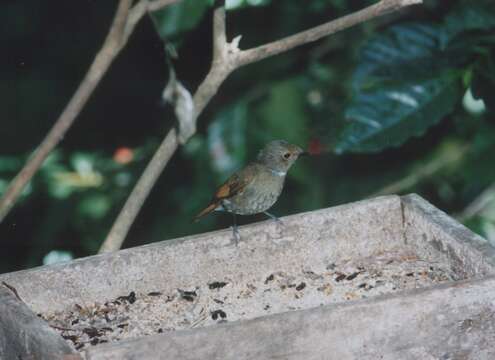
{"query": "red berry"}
pixel 123 155
pixel 315 147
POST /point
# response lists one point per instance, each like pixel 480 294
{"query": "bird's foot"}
pixel 236 236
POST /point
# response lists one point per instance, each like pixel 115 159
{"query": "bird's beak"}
pixel 304 153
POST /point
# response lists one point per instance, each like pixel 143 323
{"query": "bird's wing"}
pixel 233 186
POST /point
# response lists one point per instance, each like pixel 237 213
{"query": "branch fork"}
pixel 227 57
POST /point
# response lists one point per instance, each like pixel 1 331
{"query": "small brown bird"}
pixel 257 186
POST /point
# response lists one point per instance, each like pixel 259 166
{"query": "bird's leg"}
pixel 273 217
pixel 235 230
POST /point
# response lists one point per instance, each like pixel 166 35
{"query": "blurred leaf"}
pixel 407 52
pixel 401 87
pixel 477 169
pixel 472 105
pixel 57 256
pixel 183 16
pixel 10 163
pixel 470 15
pixel 53 163
pixel 62 181
pixel 284 114
pixel 82 163
pixel 227 139
pixel 59 191
pixel 94 206
pixel 76 180
pixel 236 4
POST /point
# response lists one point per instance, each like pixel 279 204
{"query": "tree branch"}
pixel 447 158
pixel 169 145
pixel 140 192
pixel 381 8
pixel 226 58
pixel 98 68
pixel 122 26
pixel 478 205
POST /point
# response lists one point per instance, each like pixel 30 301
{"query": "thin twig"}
pixel 318 32
pixel 169 145
pixel 123 25
pixel 446 159
pixel 227 57
pixel 478 205
pixel 140 193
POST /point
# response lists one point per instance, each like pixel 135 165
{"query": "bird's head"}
pixel 279 155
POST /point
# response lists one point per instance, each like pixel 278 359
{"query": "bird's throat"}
pixel 278 173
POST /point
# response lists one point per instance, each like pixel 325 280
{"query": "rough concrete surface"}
pixel 315 238
pixel 234 299
pixel 449 322
pixel 24 336
pixel 435 302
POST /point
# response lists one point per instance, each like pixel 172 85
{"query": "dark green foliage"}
pixel 389 99
pixel 408 78
pixel 180 17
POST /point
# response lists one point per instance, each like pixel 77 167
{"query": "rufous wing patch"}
pixel 206 211
pixel 233 186
pixel 223 192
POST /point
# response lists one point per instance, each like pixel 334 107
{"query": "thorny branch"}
pixel 124 22
pixel 227 57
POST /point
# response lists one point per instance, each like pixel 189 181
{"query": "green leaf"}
pixel 405 82
pixel 402 53
pixel 388 116
pixel 94 206
pixel 180 17
pixel 227 139
pixel 283 112
pixel 469 16
pixel 236 4
pixel 10 163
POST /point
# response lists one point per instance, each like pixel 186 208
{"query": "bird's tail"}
pixel 206 211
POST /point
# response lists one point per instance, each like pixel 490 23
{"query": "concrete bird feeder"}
pixel 386 278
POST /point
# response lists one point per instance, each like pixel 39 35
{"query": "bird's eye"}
pixel 286 155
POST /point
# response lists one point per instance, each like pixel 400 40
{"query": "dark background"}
pixel 302 96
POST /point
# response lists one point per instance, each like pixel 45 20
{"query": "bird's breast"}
pixel 257 197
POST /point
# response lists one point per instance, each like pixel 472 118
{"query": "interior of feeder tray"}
pixel 368 249
pixel 138 314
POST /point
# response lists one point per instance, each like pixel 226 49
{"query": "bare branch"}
pixel 124 22
pixel 221 65
pixel 159 4
pixel 447 158
pixel 140 192
pixel 261 52
pixel 100 65
pixel 478 205
pixel 169 145
pixel 226 58
pixel 219 35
